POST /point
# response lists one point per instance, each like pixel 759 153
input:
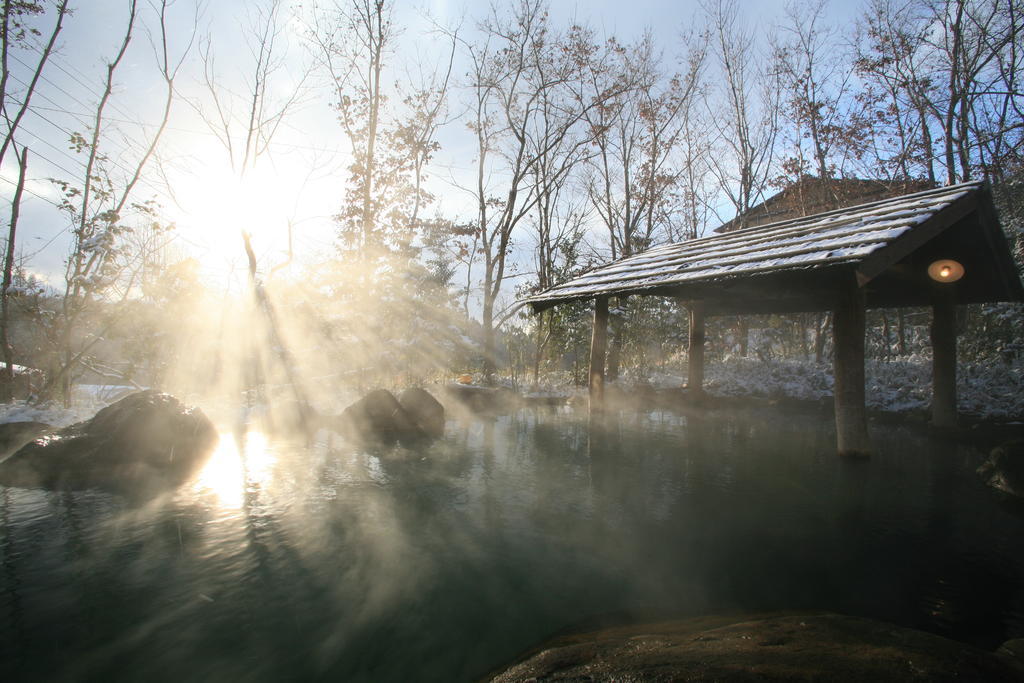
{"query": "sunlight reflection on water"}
pixel 287 560
pixel 237 462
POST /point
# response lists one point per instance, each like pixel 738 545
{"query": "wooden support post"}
pixel 695 354
pixel 848 339
pixel 944 412
pixel 598 345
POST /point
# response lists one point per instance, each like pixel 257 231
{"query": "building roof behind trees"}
pixel 810 195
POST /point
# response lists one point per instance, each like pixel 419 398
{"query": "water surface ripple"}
pixel 330 562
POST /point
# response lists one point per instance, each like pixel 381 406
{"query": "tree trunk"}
pixel 7 384
pixel 541 343
pixel 801 329
pixel 901 333
pixel 487 321
pixel 820 337
pixel 273 340
pixel 886 332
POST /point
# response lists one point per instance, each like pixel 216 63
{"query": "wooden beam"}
pixel 944 410
pixel 598 345
pixel 695 354
pixel 998 247
pixel 914 238
pixel 848 339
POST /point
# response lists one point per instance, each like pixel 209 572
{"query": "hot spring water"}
pixel 286 563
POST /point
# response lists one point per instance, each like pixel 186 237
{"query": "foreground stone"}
pixel 824 647
pixel 14 435
pixel 144 441
pixel 1004 469
pixel 424 410
pixel 380 417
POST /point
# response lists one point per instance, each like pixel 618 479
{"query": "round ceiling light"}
pixel 946 270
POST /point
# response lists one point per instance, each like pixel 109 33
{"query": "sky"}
pixel 301 179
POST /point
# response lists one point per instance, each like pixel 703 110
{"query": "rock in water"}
pixel 482 399
pixel 14 435
pixel 425 411
pixel 1004 469
pixel 147 440
pixel 825 647
pixel 378 416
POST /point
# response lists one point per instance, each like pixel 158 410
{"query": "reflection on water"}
pixel 238 461
pixel 284 562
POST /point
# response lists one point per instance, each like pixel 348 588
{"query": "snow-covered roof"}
pixel 849 238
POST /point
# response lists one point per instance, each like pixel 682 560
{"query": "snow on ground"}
pixel 50 413
pixel 985 391
pixel 989 391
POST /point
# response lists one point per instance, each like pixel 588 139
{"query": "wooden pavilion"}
pixel 937 248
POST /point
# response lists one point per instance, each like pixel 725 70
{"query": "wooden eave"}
pixel 893 274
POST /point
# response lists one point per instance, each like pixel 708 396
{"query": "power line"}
pixel 31 192
pixel 49 160
pixel 113 104
pixel 192 131
pixel 85 118
pixel 44 78
pixel 80 117
pixel 45 246
pixel 81 78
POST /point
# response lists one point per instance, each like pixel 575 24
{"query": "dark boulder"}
pixel 147 440
pixel 14 435
pixel 424 410
pixel 487 400
pixel 1013 652
pixel 1004 469
pixel 378 416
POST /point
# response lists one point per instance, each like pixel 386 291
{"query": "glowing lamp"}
pixel 946 270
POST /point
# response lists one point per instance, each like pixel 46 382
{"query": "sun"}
pixel 217 203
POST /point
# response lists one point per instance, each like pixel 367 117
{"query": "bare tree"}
pixel 695 180
pixel 390 113
pixel 949 71
pixel 355 40
pixel 999 122
pixel 246 122
pixel 98 266
pixel 976 45
pixel 13 32
pixel 557 219
pixel 527 103
pixel 745 109
pixel 818 81
pixel 391 128
pixel 893 60
pixel 637 135
pixel 7 385
pixel 646 160
pixel 14 106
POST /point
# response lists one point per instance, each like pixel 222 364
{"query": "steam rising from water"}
pixel 287 561
pixel 321 335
